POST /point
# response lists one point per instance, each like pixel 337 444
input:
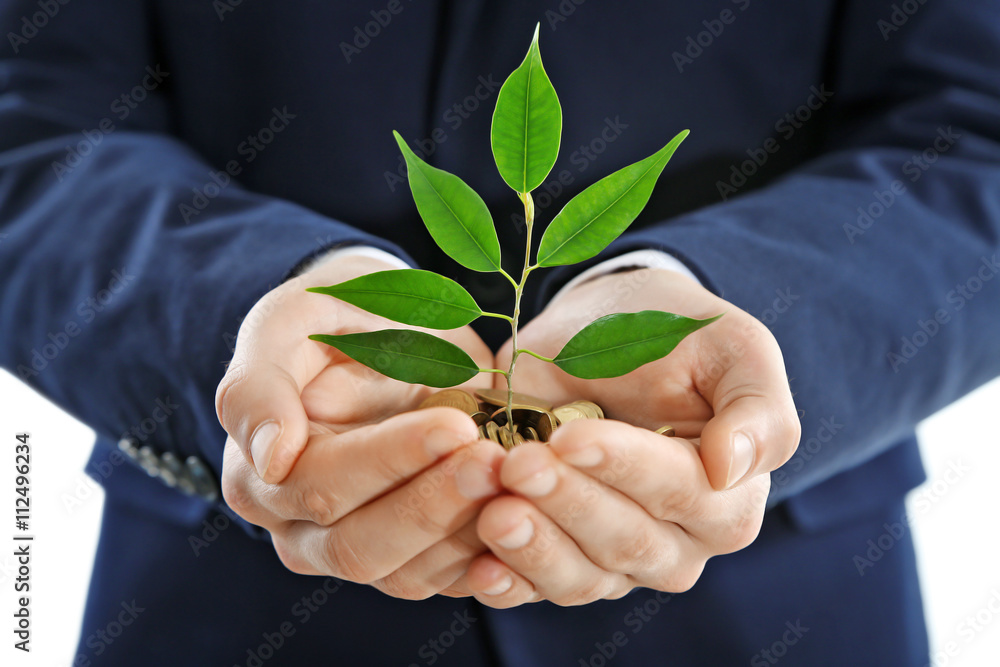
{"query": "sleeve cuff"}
pixel 645 259
pixel 351 251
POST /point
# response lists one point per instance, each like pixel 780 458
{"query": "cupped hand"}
pixel 610 505
pixel 320 455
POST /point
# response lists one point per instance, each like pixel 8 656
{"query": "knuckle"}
pixel 237 495
pixel 585 593
pixel 679 579
pixel 227 392
pixel 429 523
pixel 674 502
pixel 540 555
pixel 404 586
pixel 790 432
pixel 342 558
pixel 745 527
pixel 642 553
pixel 290 557
pixel 318 506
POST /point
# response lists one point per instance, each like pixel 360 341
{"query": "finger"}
pixel 496 585
pixel 380 537
pixel 351 395
pixel 755 428
pixel 613 530
pixel 535 547
pixel 665 478
pixel 258 401
pixel 436 569
pixel 337 474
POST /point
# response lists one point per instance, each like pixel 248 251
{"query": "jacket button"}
pixel 129 449
pixel 149 461
pixel 171 469
pixel 204 483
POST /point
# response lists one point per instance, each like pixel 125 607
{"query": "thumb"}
pixel 750 436
pixel 260 406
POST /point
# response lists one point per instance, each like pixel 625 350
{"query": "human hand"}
pixel 318 457
pixel 610 505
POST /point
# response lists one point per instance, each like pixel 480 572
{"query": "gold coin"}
pixel 480 418
pixel 482 433
pixel 493 432
pixel 529 433
pixel 593 409
pixel 452 398
pixel 506 439
pixel 498 398
pixel 518 439
pixel 545 424
pixel 667 431
pixel 568 413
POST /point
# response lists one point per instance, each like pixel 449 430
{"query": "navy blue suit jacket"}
pixel 164 163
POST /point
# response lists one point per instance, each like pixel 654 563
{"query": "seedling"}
pixel 525 137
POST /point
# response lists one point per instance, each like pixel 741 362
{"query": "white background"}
pixel 953 516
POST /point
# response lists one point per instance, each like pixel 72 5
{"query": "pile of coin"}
pixel 534 418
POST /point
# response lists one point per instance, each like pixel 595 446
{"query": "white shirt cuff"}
pixel 645 259
pixel 355 251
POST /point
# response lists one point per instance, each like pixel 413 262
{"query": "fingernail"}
pixel 583 458
pixel 519 537
pixel 501 586
pixel 443 441
pixel 742 459
pixel 476 480
pixel 262 445
pixel 540 484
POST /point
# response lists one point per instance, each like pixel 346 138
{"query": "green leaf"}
pixel 406 355
pixel 527 124
pixel 598 215
pixel 454 214
pixel 618 344
pixel 410 296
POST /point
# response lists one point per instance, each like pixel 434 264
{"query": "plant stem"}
pixel 493 370
pixel 529 218
pixel 499 316
pixel 536 355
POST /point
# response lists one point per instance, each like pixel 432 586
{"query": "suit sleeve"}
pixel 116 299
pixel 875 264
